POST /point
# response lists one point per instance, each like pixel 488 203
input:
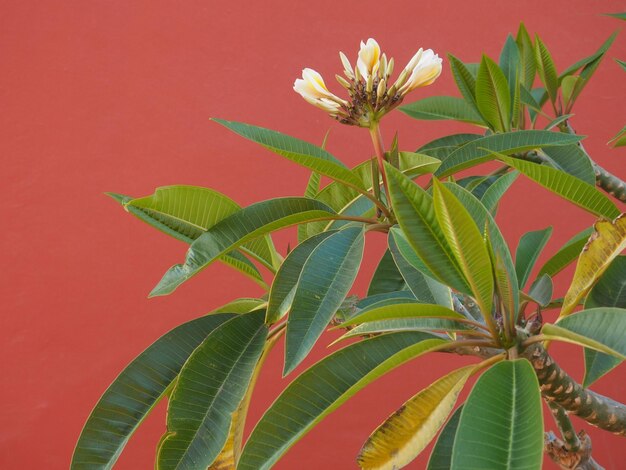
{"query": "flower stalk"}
pixel 377 140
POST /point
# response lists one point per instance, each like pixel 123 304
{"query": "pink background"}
pixel 115 96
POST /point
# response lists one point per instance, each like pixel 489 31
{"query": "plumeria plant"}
pixel 447 283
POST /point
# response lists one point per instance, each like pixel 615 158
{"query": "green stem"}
pixel 377 140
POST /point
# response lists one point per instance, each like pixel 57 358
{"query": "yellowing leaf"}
pixel 409 430
pixel 606 242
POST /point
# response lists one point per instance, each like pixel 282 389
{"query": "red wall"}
pixel 115 96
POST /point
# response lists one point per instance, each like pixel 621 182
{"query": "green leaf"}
pixel 482 150
pixel 620 139
pixel 600 328
pixel 530 247
pixel 527 57
pixel 501 425
pixel 209 389
pixel 621 63
pixel 424 287
pixel 493 96
pixel 590 61
pixel 397 325
pixel 242 305
pixel 557 120
pixel 566 254
pixel 414 210
pixel 504 269
pixel 309 398
pixel 436 108
pixel 136 391
pixel 312 188
pixel 296 150
pixel 286 280
pixel 619 16
pixel 610 291
pixel 572 160
pixel 467 243
pixel 441 456
pixel 569 89
pixel 247 224
pixel 541 290
pixel 465 81
pixel 403 311
pixel 494 193
pixel 386 278
pixel 546 68
pixel 442 147
pixel 568 187
pixel 410 429
pixel 511 66
pixel 326 278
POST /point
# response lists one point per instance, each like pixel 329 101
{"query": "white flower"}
pixel 369 58
pixel 313 89
pixel 424 68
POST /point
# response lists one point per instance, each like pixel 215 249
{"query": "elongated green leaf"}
pixel 600 328
pixel 396 325
pixel 501 425
pixel 569 187
pixel 530 247
pixel 436 108
pixel 546 68
pixel 620 139
pixel 441 456
pixel 312 188
pixel 135 392
pixel 416 215
pixel 286 280
pixel 409 430
pixel 424 287
pixel 610 291
pixel 309 398
pixel 242 305
pixel 492 95
pixel 386 278
pixel 249 223
pixel 605 244
pixel 619 16
pixel 541 290
pixel 566 254
pixel 511 66
pixel 299 151
pixel 591 61
pixel 442 147
pixel 467 244
pixel 465 81
pixel 481 150
pixel 504 269
pixel 494 193
pixel 326 278
pixel 208 391
pixel 527 57
pixel 621 63
pixel 573 160
pixel 402 311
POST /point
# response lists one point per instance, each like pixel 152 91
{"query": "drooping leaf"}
pixel 247 224
pixel 541 290
pixel 546 68
pixel 609 291
pixel 607 242
pixel 436 108
pixel 414 210
pixel 403 435
pixel 327 276
pixel 501 425
pixel 467 244
pixel 440 148
pixel 208 391
pixel 568 187
pixel 601 328
pixel 465 81
pixel 566 254
pixel 309 398
pixel 441 456
pixel 492 95
pixel 573 160
pixel 482 150
pixel 286 279
pixel 424 288
pixel 494 193
pixel 386 278
pixel 136 391
pixel 306 154
pixel 530 247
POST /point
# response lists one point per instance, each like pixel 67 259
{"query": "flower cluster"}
pixel 371 93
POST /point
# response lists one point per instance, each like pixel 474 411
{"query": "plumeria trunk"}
pixel 559 387
pixel 569 459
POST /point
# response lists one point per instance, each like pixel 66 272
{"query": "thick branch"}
pixel 558 386
pixel 568 459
